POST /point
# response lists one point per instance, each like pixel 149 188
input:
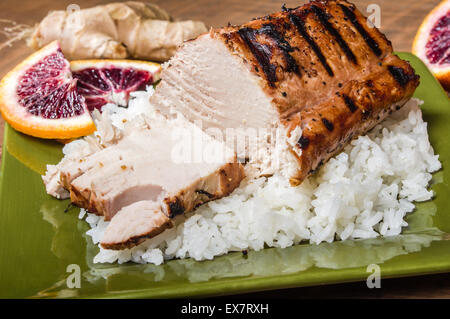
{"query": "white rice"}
pixel 364 192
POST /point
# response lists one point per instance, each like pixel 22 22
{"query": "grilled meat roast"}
pixel 319 67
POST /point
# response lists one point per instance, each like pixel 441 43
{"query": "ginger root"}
pixel 116 31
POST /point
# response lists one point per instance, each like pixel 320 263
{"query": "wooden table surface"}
pixel 399 21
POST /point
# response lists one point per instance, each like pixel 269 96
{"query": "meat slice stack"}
pixel 151 163
pixel 159 169
pixel 318 70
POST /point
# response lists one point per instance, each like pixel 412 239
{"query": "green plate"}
pixel 39 241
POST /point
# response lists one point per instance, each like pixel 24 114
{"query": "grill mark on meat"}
pixel 399 75
pixel 260 52
pixel 285 9
pixel 301 28
pixel 313 171
pixel 303 142
pixel 373 45
pixel 175 207
pixel 271 31
pixel 349 103
pixel 328 124
pixel 203 192
pixel 323 19
pixel 366 113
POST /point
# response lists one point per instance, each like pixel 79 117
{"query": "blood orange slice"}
pixel 432 42
pixel 111 81
pixel 39 97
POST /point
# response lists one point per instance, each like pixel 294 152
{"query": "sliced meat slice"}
pixel 74 169
pixel 135 223
pixel 208 85
pixel 159 171
pixel 70 170
pixel 145 219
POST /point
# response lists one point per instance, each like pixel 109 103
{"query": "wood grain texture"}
pixel 399 21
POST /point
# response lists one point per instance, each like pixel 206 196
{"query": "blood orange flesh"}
pixel 112 81
pixel 39 97
pixel 438 45
pixel 432 42
pixel 47 90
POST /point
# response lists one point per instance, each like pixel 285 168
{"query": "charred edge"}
pixel 248 36
pixel 198 204
pixel 313 171
pixel 94 210
pixel 136 240
pixel 323 18
pixel 373 45
pixel 175 207
pixel 328 124
pixel 366 113
pixel 271 31
pixel 399 75
pixel 243 160
pixel 349 102
pixel 303 142
pixel 133 241
pixel 300 25
pixel 203 192
pixel 284 9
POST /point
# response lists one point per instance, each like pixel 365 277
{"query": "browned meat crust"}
pixel 325 70
pixel 199 192
pixel 204 190
pixel 354 110
pixel 161 223
pixel 304 54
pixel 136 240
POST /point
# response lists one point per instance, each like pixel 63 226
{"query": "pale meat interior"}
pixel 205 82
